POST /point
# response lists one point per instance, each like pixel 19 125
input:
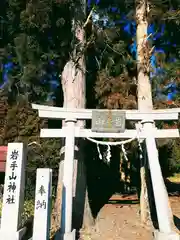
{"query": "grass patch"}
pixel 28 210
pixel 175 178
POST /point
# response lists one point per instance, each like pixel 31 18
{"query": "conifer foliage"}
pixel 35 45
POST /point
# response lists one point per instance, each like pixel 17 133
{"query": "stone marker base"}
pixel 165 236
pixel 66 236
pixel 10 236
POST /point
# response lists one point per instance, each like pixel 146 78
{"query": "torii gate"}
pixel 111 124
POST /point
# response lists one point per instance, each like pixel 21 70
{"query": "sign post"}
pixel 13 198
pixel 42 210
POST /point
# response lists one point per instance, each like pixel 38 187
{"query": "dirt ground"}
pixel 119 220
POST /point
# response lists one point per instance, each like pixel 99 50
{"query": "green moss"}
pixel 28 211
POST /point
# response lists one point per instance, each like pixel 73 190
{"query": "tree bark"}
pixel 145 102
pixel 144 89
pixel 73 85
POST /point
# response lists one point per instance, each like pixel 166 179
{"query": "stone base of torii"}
pixel 148 132
pixel 165 236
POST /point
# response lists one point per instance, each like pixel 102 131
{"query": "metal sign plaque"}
pixel 108 121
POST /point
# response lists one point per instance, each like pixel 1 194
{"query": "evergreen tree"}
pixel 35 46
pixel 21 124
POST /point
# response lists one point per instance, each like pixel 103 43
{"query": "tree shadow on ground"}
pixel 124 202
pixel 103 179
pixel 29 226
pixel 172 188
pixel 176 222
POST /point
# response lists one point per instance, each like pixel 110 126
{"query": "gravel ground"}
pixel 121 222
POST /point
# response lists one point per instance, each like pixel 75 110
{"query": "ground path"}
pixel 120 221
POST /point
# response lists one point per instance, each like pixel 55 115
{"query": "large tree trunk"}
pixel 144 89
pixel 145 102
pixel 73 84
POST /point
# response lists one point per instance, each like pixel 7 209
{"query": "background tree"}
pixel 74 91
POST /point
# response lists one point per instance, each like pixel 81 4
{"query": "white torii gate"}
pixel 148 132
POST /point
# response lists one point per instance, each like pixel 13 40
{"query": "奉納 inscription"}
pixel 42 190
pixel 41 204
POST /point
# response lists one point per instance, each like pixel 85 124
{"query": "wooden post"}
pixel 42 210
pixel 13 198
pixel 67 197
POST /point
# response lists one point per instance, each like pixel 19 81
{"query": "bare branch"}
pixel 34 143
pixel 88 18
